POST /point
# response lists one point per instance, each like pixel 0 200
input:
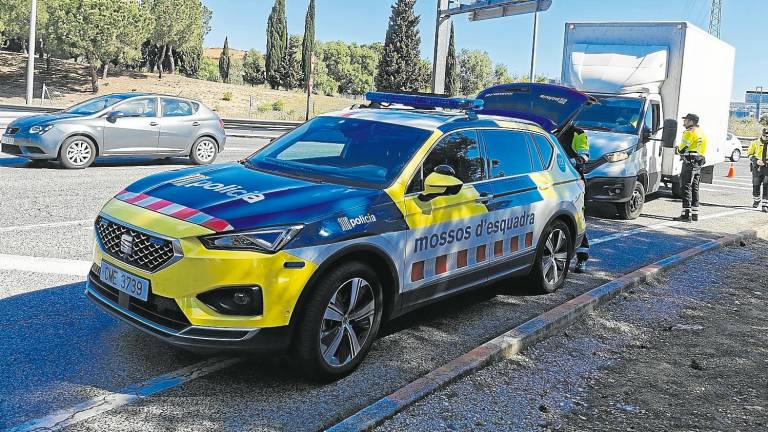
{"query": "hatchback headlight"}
pixel 618 156
pixel 263 240
pixel 40 129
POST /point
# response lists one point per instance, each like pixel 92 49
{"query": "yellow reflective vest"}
pixel 580 144
pixel 756 149
pixel 693 140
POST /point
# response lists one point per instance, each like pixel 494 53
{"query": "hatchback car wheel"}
pixel 77 152
pixel 203 151
pixel 339 322
pixel 553 258
pixel 736 155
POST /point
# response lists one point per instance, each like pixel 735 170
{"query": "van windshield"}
pixel 345 150
pixel 612 114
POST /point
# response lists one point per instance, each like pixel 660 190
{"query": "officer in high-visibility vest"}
pixel 758 157
pixel 578 152
pixel 692 149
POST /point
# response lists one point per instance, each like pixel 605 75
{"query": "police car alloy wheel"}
pixel 340 322
pixel 203 151
pixel 77 152
pixel 553 258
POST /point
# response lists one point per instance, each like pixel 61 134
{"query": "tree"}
pixel 253 68
pixel 398 69
pixel 501 75
pixel 277 43
pixel 177 23
pixel 451 67
pixel 308 44
pixel 424 75
pixel 475 71
pixel 224 61
pixel 291 68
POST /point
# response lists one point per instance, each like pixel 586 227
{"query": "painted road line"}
pixel 744 183
pixel 730 186
pixel 124 396
pixel 46 225
pixel 662 225
pixel 521 337
pixel 44 265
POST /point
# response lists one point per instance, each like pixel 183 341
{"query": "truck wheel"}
pixel 677 189
pixel 339 322
pixel 77 152
pixel 631 209
pixel 553 258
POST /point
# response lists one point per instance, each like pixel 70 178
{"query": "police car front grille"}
pixel 11 131
pixel 147 252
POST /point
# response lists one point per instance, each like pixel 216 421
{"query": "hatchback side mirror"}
pixel 114 115
pixel 441 182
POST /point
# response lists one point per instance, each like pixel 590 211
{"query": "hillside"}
pixel 70 83
pixel 215 53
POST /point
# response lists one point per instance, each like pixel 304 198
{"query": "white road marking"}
pixel 729 182
pixel 662 225
pixel 44 265
pixel 127 395
pixel 46 225
pixel 726 186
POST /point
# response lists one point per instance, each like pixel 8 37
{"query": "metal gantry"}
pixel 715 18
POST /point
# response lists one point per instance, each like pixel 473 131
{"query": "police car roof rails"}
pixel 427 101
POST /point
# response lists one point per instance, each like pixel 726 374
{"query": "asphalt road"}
pixel 59 350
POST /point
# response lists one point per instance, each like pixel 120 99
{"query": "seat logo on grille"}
pixel 126 245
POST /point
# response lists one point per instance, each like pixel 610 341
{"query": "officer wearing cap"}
pixel 578 153
pixel 759 167
pixel 691 149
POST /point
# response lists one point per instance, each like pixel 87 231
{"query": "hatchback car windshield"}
pixel 345 150
pixel 92 106
pixel 611 114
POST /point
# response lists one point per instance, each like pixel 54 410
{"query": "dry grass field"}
pixel 70 83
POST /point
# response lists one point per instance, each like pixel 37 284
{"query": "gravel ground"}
pixel 685 352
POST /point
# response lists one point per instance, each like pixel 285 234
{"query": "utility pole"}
pixel 715 18
pixel 533 46
pixel 31 52
pixel 442 36
pixel 759 90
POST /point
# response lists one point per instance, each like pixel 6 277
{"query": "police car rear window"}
pixel 346 150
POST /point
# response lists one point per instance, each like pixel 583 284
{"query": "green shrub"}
pixel 278 105
pixel 264 107
pixel 227 96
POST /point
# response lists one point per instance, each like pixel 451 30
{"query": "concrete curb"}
pixel 522 337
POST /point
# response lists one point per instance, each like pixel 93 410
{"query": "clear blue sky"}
pixel 507 40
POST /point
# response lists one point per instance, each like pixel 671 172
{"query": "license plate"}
pixel 7 140
pixel 130 284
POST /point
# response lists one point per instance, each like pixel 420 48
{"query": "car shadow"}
pixel 102 162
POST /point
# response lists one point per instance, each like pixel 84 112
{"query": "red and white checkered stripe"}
pixel 174 210
pixel 480 254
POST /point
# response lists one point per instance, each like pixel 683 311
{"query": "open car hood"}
pixel 550 106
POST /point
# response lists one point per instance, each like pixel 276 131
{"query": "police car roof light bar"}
pixel 417 101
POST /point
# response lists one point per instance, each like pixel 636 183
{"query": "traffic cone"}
pixel 731 172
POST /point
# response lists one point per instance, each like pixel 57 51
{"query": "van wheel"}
pixel 77 152
pixel 631 209
pixel 203 151
pixel 339 322
pixel 553 258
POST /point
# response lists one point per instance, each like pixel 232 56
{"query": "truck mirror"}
pixel 645 135
pixel 670 133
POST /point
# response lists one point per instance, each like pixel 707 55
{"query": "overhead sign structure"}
pixel 477 10
pixel 756 96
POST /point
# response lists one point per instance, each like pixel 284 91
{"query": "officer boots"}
pixel 755 202
pixel 685 217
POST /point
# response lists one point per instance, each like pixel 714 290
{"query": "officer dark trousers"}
pixel 689 182
pixel 760 180
pixel 582 252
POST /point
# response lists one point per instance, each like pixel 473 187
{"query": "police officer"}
pixel 578 152
pixel 692 149
pixel 759 167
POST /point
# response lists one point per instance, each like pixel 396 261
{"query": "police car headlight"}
pixel 269 240
pixel 617 156
pixel 40 129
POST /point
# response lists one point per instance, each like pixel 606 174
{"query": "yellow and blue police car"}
pixel 351 219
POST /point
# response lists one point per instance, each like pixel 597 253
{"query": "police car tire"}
pixel 536 278
pixel 306 345
pixel 79 140
pixel 193 153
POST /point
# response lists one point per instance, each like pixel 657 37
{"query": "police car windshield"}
pixel 612 114
pixel 344 150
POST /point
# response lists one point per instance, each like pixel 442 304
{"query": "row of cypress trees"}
pixel 280 54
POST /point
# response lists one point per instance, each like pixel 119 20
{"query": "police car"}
pixel 349 220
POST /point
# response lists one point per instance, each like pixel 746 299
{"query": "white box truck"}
pixel 645 77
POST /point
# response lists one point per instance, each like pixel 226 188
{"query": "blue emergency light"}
pixel 419 101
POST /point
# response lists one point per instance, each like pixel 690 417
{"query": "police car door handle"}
pixel 484 198
pixel 196 123
pixel 153 123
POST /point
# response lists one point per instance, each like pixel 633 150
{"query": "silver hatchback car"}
pixel 122 124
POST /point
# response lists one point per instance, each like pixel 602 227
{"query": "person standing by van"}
pixel 692 149
pixel 576 146
pixel 759 167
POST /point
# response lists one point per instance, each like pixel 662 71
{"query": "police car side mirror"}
pixel 669 133
pixel 441 182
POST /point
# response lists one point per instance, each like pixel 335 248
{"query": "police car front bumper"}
pixel 610 189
